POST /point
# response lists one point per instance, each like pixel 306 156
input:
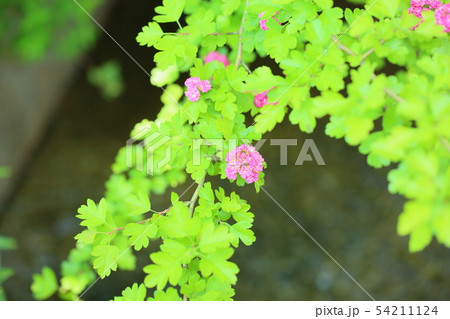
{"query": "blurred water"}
pixel 344 205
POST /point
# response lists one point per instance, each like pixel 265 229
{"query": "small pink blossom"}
pixel 192 95
pixel 262 23
pixel 214 55
pixel 246 161
pixel 261 99
pixel 194 84
pixel 204 86
pixel 442 15
pixel 419 6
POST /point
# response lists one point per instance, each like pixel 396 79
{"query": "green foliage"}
pixel 6 243
pixel 44 284
pixel 4 172
pixel 382 85
pixel 33 29
pixel 107 77
pixel 135 293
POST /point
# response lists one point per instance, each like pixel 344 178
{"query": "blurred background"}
pixel 69 98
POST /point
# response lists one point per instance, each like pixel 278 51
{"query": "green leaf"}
pixel 170 11
pixel 383 8
pixel 178 223
pixel 415 213
pixel 7 243
pixel 138 204
pixel 303 115
pixel 92 214
pixel 166 268
pixel 5 274
pixel 135 293
pixel 150 34
pixel 106 259
pixel 229 6
pixel 214 290
pixel 224 126
pixel 44 284
pixel 212 238
pixel 279 44
pixel 171 294
pixel 230 204
pixel 420 238
pixel 216 263
pixel 140 233
pixel 206 192
pixel 269 117
pixel 243 232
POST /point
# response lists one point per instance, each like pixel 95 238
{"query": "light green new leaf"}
pixel 213 237
pixel 138 204
pixel 166 268
pixel 170 11
pixel 135 293
pixel 106 259
pixel 171 294
pixel 44 284
pixel 150 34
pixel 224 126
pixel 229 6
pixel 179 224
pixel 279 44
pixel 420 238
pixel 243 232
pixel 269 117
pixel 218 265
pixel 7 243
pixel 140 233
pixel 92 214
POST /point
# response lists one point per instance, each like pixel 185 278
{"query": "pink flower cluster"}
pixel 194 84
pixel 246 161
pixel 262 23
pixel 441 13
pixel 214 55
pixel 419 6
pixel 261 99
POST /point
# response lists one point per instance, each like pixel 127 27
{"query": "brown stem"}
pixel 143 221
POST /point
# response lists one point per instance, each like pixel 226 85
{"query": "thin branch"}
pixel 215 33
pixel 191 210
pixel 445 143
pixel 241 29
pixel 365 55
pixel 393 95
pixel 145 220
pixel 246 67
pixel 195 196
pixel 342 46
pixel 178 22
